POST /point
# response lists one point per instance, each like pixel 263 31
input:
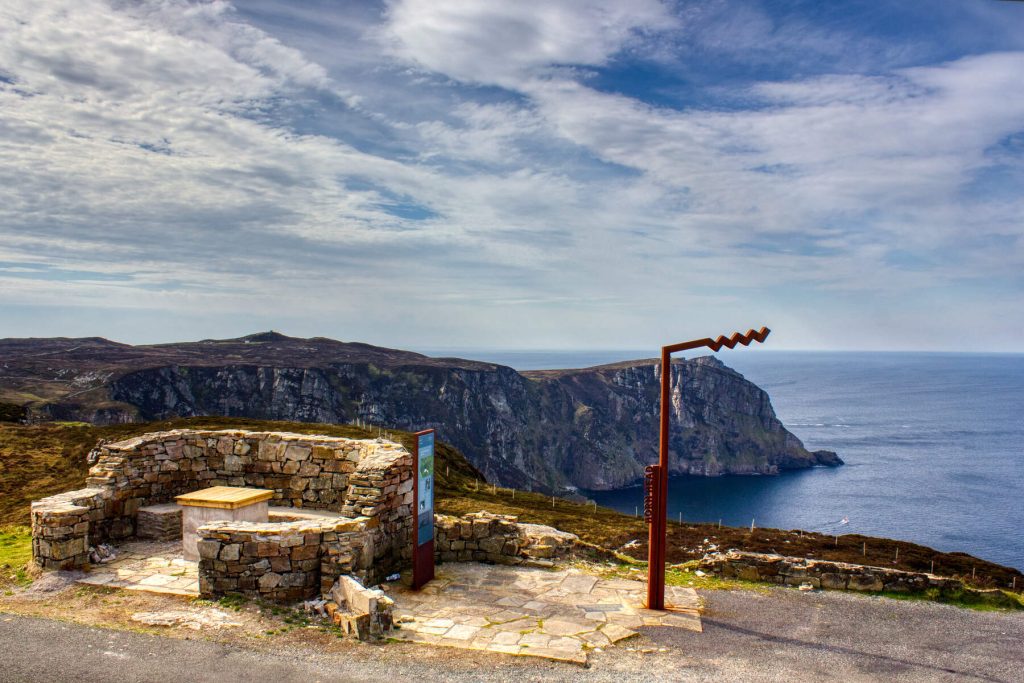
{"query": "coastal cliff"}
pixel 593 428
pixel 720 422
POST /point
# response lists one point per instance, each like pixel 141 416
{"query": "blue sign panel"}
pixel 425 488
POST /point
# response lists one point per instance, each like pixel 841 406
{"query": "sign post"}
pixel 656 476
pixel 423 509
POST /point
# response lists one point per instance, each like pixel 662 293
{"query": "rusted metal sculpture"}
pixel 656 476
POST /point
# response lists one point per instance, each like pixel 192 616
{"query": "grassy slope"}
pixel 40 460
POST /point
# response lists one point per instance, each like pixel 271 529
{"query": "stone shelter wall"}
pixel 795 571
pixel 371 478
pixel 381 488
pixel 284 562
pixel 60 528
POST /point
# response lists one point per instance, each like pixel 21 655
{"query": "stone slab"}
pixel 150 567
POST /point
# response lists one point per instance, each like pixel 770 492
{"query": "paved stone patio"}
pixel 148 566
pixel 558 615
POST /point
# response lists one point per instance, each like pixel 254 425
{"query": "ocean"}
pixel 933 444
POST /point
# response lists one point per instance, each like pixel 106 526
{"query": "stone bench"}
pixel 289 514
pixel 159 522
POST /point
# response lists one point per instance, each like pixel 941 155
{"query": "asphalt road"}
pixel 825 636
pixel 781 635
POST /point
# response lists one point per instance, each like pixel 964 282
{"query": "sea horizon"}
pixel 527 359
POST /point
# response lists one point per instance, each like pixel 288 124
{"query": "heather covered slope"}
pixel 593 428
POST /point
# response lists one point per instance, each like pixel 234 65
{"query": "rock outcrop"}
pixel 593 428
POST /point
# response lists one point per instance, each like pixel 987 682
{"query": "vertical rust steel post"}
pixel 659 492
pixel 656 484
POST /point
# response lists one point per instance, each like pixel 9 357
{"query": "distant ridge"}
pixel 592 428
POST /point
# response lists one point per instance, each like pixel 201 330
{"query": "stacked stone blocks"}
pixel 381 488
pixel 500 539
pixel 283 562
pixel 60 528
pixel 796 571
pixel 358 611
pixel 159 522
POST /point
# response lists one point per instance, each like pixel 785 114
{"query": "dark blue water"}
pixel 933 444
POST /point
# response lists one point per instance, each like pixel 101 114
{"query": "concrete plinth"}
pixel 217 504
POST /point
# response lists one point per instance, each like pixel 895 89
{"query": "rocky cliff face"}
pixel 594 428
pixel 720 423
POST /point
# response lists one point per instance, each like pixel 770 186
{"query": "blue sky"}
pixel 537 174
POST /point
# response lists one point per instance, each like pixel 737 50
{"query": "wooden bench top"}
pixel 224 497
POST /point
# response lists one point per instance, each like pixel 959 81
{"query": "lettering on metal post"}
pixel 650 481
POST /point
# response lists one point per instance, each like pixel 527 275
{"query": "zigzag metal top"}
pixel 716 344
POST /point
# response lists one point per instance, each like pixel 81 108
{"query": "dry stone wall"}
pixel 381 488
pixel 501 539
pixel 282 562
pixel 159 522
pixel 371 478
pixel 796 571
pixel 60 528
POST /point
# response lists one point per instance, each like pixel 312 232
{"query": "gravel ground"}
pixel 776 635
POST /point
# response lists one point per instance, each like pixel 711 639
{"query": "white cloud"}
pixel 825 154
pixel 504 42
pixel 171 155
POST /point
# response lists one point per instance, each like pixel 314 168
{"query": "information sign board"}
pixel 423 509
pixel 425 487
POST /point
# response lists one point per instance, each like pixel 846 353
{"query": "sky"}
pixel 538 174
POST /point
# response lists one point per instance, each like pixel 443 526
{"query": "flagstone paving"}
pixel 148 566
pixel 558 615
pixel 555 614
